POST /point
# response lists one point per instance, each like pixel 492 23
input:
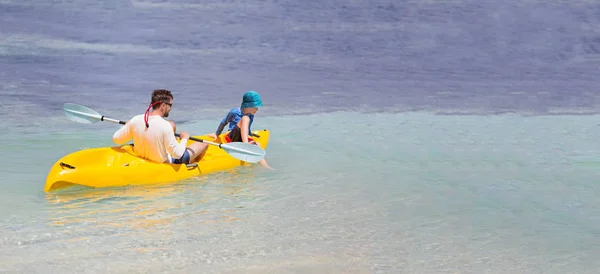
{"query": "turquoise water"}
pixel 368 178
pixel 358 192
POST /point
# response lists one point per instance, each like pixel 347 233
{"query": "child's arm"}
pixel 224 122
pixel 244 125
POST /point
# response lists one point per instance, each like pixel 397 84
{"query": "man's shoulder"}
pixel 136 119
pixel 156 120
pixel 139 116
pixel 162 122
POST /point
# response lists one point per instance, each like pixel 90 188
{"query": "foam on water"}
pixel 359 192
pixel 12 45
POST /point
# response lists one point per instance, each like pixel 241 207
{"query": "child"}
pixel 240 121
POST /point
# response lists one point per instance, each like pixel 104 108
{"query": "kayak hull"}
pixel 118 166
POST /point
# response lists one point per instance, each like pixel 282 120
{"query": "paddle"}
pixel 243 151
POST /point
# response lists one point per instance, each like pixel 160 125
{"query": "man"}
pixel 154 137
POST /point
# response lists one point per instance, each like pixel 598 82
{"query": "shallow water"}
pixel 368 178
pixel 448 194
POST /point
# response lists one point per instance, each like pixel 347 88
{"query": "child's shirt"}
pixel 233 117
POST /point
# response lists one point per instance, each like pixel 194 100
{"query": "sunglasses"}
pixel 170 104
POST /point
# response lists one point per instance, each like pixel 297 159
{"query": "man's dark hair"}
pixel 161 95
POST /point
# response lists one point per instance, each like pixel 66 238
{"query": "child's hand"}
pixel 213 136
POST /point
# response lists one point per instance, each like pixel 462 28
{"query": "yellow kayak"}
pixel 119 166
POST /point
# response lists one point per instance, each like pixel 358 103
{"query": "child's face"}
pixel 250 110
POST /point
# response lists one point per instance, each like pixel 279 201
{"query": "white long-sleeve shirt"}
pixel 155 143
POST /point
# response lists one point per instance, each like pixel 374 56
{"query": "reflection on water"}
pixel 122 224
pixel 151 206
pixel 129 206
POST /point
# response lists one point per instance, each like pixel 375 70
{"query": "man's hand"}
pixel 184 135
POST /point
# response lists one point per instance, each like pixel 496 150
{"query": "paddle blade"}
pixel 81 114
pixel 244 151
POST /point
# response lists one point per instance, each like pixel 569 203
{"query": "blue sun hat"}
pixel 251 100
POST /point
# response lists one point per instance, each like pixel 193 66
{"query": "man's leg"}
pixel 185 159
pixel 197 151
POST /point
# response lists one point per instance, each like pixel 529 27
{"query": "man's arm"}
pixel 174 148
pixel 123 135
